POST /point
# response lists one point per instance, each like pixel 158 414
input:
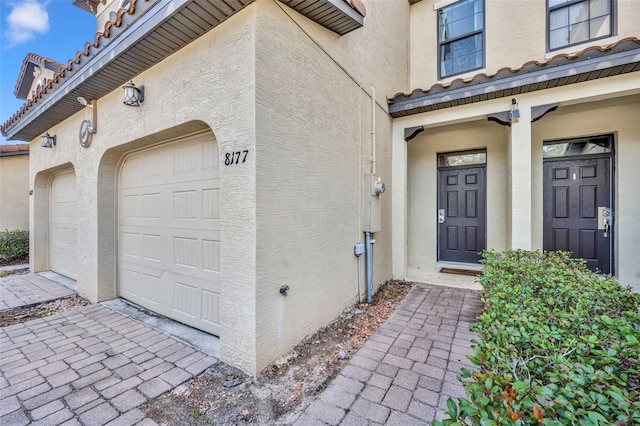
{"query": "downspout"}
pixel 368 247
pixel 360 183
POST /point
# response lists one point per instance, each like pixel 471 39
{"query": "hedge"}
pixel 559 345
pixel 13 245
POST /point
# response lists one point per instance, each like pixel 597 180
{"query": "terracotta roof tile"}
pixel 507 71
pixel 71 64
pixel 21 148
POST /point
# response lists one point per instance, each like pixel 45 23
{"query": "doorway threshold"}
pixel 69 283
pixel 458 271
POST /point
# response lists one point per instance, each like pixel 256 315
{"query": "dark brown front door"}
pixel 574 190
pixel 461 213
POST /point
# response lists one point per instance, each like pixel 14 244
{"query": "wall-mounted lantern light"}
pixel 514 114
pixel 48 141
pixel 133 96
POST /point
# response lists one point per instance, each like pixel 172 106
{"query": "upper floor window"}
pixel 461 37
pixel 578 21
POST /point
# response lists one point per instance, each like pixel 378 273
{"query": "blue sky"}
pixel 55 29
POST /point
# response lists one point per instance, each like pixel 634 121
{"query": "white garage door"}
pixel 169 231
pixel 63 228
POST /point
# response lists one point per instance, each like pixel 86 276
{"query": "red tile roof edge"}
pixel 70 64
pixel 17 148
pixel 465 81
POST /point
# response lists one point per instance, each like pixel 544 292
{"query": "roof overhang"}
pixel 155 30
pixel 623 58
pixel 335 15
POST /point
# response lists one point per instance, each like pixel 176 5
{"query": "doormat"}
pixel 467 272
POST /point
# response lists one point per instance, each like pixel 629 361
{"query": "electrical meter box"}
pixel 372 211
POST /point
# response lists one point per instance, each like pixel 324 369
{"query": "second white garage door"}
pixel 169 231
pixel 63 225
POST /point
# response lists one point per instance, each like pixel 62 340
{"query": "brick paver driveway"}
pixel 23 290
pixel 88 366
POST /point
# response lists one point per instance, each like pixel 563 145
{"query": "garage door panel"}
pixel 192 303
pixel 169 229
pixel 210 307
pixel 211 255
pixel 64 262
pixel 143 283
pixel 144 248
pixel 211 204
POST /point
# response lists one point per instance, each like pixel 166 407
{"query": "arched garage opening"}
pixel 164 224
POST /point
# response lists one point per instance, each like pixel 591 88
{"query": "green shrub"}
pixel 559 345
pixel 13 245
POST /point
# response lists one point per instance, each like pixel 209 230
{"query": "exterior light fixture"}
pixel 48 141
pixel 514 114
pixel 133 96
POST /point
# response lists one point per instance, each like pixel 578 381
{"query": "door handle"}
pixel 441 216
pixel 605 220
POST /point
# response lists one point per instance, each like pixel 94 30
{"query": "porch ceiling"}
pixel 138 39
pixel 561 70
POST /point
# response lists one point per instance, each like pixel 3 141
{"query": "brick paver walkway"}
pixel 23 290
pixel 405 373
pixel 88 366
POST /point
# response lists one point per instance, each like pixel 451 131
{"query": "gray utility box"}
pixel 372 211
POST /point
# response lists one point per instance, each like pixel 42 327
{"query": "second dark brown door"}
pixel 574 190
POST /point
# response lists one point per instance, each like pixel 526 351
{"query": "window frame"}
pixel 614 23
pixel 461 37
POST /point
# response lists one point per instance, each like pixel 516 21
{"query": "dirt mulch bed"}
pixel 223 395
pixel 28 313
pixel 17 261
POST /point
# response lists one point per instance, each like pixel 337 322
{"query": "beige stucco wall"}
pixel 313 149
pixel 14 192
pixel 422 189
pixel 44 75
pixel 208 84
pixel 515 34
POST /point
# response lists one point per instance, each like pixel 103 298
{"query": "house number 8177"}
pixel 231 158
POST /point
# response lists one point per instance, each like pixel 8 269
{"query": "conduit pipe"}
pixel 367 256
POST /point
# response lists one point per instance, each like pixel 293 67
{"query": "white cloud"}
pixel 26 20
